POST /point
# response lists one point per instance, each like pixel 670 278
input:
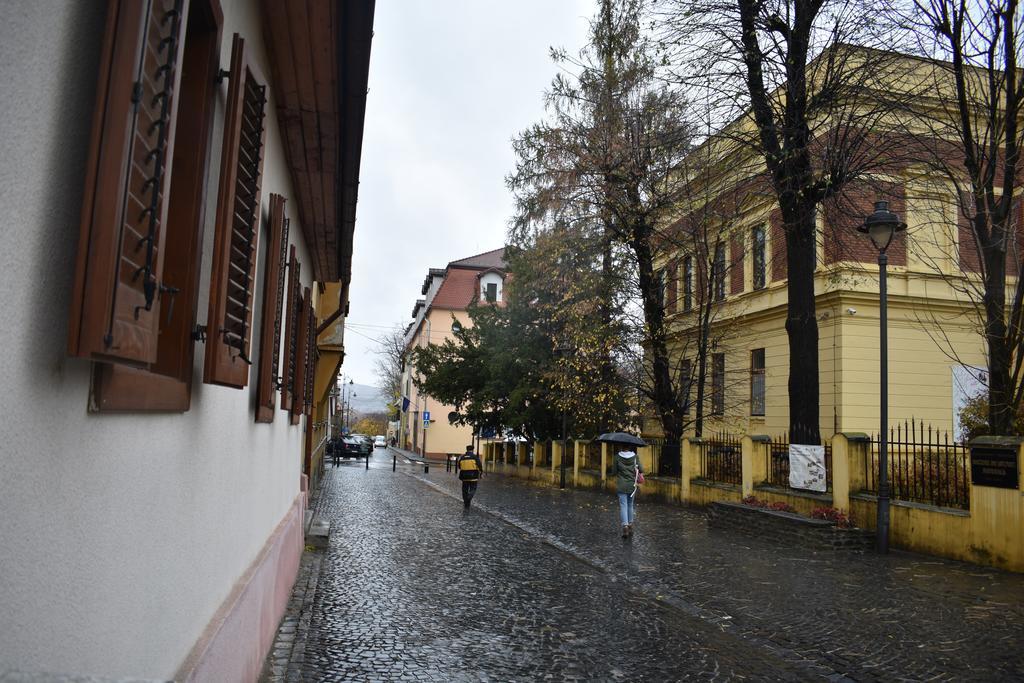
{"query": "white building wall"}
pixel 120 535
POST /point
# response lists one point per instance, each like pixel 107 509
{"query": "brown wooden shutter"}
pixel 301 358
pixel 115 304
pixel 273 301
pixel 291 329
pixel 233 281
pixel 311 356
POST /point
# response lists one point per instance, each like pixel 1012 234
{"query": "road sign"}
pixel 426 416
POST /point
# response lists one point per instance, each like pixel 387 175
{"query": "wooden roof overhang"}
pixel 320 59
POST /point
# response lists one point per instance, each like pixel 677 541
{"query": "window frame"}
pixel 717 384
pixel 718 286
pixel 687 283
pixel 755 373
pixel 758 261
pixel 686 378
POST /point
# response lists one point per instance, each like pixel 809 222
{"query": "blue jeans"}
pixel 627 508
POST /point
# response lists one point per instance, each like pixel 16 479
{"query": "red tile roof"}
pixel 461 281
pixel 457 290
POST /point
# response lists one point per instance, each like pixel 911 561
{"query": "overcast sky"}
pixel 451 83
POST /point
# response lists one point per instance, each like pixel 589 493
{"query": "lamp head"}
pixel 882 225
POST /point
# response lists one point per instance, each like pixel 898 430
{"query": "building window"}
pixel 686 381
pixel 137 272
pixel 757 382
pixel 688 284
pixel 718 384
pixel 490 287
pixel 718 272
pixel 758 248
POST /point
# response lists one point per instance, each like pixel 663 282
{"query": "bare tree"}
pixel 971 133
pixel 389 365
pixel 785 85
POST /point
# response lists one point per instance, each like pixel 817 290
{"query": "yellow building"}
pixel 448 293
pixel 934 327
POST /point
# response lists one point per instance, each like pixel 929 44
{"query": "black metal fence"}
pixel 777 464
pixel 721 458
pixel 925 466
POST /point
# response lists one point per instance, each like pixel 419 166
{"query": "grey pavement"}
pixel 534 583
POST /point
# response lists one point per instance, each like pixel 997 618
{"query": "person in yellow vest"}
pixel 470 471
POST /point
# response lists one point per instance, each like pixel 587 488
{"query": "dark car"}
pixel 365 443
pixel 350 447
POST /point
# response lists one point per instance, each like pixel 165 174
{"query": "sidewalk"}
pixel 866 616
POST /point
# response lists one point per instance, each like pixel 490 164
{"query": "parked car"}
pixel 347 447
pixel 365 443
pixel 380 442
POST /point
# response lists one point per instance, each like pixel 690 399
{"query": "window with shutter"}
pixel 115 311
pixel 273 301
pixel 301 358
pixel 232 283
pixel 311 353
pixel 291 330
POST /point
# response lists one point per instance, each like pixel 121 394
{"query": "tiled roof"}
pixel 457 290
pixel 488 259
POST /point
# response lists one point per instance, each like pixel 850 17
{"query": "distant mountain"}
pixel 367 399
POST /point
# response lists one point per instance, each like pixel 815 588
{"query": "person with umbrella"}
pixel 628 475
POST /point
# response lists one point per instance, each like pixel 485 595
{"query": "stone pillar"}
pixel 579 448
pixel 858 446
pixel 645 456
pixel 606 455
pixel 842 476
pixel 746 466
pixel 520 454
pixel 755 466
pixel 689 466
pixel 997 514
pixel 556 459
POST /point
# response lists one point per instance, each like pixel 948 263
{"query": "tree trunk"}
pixel 801 324
pixel 1000 384
pixel 608 372
pixel 663 396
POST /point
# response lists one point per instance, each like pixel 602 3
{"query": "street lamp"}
pixel 881 226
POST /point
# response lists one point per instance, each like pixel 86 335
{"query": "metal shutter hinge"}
pixel 136 94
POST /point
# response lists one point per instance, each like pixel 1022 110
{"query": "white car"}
pixel 379 442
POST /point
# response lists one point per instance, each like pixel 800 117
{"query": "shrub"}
pixel 782 507
pixel 842 520
pixel 754 501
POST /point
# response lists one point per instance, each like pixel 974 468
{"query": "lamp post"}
pixel 344 419
pixel 881 226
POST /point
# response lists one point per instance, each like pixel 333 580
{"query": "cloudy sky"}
pixel 451 83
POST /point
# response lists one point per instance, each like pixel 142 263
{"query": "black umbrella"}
pixel 622 437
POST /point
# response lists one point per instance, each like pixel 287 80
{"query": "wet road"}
pixel 534 584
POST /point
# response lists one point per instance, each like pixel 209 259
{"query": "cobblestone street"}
pixel 535 584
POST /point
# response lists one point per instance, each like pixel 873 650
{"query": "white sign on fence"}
pixel 807 467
